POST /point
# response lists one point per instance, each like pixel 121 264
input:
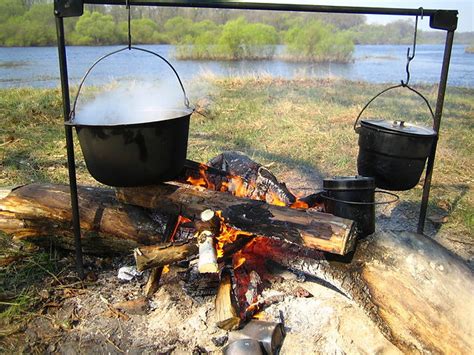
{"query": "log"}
pixel 226 311
pixel 41 213
pixel 162 254
pixel 306 228
pixel 417 292
pixel 208 230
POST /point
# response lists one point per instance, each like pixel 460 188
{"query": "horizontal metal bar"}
pixel 277 6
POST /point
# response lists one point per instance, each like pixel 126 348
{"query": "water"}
pixel 38 67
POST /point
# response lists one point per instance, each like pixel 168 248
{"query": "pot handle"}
pixel 73 110
pixel 356 128
pixel 395 199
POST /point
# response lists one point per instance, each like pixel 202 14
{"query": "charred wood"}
pixel 305 228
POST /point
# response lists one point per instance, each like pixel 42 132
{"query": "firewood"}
pixel 226 312
pixel 162 254
pixel 207 231
pixel 41 214
pixel 305 228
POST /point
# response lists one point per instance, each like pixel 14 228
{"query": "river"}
pixel 38 66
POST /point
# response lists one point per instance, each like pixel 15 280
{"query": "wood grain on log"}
pixel 159 255
pixel 226 312
pixel 310 229
pixel 41 213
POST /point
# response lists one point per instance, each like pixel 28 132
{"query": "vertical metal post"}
pixel 437 123
pixel 69 145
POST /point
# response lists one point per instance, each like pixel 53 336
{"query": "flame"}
pixel 226 235
pixel 298 204
pixel 238 260
pixel 202 180
pixel 240 187
pixel 180 221
pixel 275 200
pixel 259 315
pixel 166 269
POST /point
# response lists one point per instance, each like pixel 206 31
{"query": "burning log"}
pixel 227 316
pixel 306 228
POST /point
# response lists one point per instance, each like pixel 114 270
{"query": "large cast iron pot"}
pixel 144 152
pixel 393 152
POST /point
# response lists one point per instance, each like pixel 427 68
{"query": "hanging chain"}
pixel 127 4
pixel 410 57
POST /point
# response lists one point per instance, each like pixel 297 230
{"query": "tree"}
pixel 95 28
pixel 315 41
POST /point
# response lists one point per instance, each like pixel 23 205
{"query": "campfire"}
pixel 235 217
pixel 224 228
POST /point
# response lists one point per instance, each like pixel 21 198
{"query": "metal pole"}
pixel 69 145
pixel 437 123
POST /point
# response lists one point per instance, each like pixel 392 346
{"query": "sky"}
pixel 465 8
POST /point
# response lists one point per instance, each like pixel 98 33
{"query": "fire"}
pixel 240 187
pixel 226 235
pixel 180 221
pixel 202 180
pixel 166 269
pixel 298 204
pixel 238 260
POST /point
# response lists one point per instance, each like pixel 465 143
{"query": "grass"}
pixel 290 123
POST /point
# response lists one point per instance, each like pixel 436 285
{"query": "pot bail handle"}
pixel 356 128
pixel 73 110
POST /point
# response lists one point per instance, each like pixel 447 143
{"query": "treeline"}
pixel 204 32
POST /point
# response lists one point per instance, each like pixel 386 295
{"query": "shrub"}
pixel 315 41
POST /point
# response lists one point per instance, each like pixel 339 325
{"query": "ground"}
pixel 302 130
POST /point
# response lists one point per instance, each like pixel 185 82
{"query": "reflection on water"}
pixel 38 67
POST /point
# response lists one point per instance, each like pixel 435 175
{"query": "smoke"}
pixel 132 102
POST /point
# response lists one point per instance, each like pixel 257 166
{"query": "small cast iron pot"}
pixel 393 153
pixel 135 154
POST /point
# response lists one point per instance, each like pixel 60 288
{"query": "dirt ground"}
pixel 78 318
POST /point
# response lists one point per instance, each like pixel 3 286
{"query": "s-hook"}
pixel 127 6
pixel 410 57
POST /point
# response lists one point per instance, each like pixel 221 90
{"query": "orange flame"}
pixel 226 235
pixel 166 269
pixel 203 180
pixel 298 204
pixel 180 221
pixel 239 187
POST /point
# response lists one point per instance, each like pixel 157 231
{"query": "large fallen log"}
pixel 41 213
pixel 415 290
pixel 310 229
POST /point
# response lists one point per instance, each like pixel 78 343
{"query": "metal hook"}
pixel 410 57
pixel 127 6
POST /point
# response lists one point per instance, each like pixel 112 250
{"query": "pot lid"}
pixel 400 127
pixel 357 182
